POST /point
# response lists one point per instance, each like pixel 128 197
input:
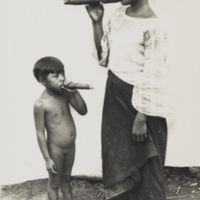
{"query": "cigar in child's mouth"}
pixel 76 86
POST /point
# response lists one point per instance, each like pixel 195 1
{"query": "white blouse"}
pixel 134 49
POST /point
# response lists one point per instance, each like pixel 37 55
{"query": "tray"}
pixel 80 2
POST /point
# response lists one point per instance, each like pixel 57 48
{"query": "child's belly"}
pixel 63 134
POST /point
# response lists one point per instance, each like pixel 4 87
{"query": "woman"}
pixel 134 131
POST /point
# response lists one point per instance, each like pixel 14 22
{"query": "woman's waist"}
pixel 129 76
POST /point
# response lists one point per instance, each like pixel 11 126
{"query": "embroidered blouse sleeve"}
pixel 103 61
pixel 150 93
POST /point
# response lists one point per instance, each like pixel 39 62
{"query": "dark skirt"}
pixel 131 170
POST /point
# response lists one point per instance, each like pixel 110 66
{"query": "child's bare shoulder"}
pixel 39 105
pixel 41 101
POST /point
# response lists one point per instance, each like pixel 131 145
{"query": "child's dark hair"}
pixel 47 65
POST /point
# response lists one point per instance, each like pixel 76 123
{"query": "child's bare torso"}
pixel 59 123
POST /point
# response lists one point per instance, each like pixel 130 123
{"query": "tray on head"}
pixel 79 2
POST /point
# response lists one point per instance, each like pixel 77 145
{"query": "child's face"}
pixel 54 81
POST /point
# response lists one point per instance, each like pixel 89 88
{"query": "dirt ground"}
pixel 180 185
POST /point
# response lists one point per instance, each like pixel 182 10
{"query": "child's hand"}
pixel 139 131
pixel 95 11
pixel 68 85
pixel 51 167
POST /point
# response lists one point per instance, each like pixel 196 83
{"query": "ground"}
pixel 180 185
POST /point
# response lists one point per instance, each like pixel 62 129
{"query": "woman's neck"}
pixel 139 5
pixel 140 9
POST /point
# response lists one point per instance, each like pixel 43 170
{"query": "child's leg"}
pixel 55 179
pixel 67 168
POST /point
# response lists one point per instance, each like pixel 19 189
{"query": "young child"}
pixel 52 112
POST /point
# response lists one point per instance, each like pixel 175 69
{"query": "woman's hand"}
pixel 139 131
pixel 95 11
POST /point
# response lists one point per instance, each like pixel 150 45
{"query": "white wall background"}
pixel 34 29
pixel 31 30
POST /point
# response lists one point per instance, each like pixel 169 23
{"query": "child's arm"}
pixel 139 130
pixel 96 12
pixel 39 112
pixel 77 102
